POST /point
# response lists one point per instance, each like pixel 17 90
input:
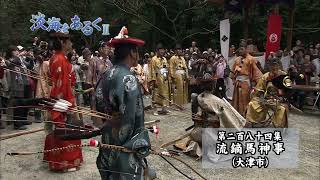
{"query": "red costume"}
pixel 63 78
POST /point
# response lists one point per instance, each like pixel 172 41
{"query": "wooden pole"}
pixel 8 136
pixel 174 141
pixel 276 9
pixel 149 123
pixel 246 20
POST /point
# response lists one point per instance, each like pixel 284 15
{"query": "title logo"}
pixel 54 24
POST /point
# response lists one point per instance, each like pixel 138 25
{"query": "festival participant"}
pixel 307 68
pixel 205 55
pixel 317 49
pixel 316 62
pixel 232 51
pixel 138 72
pixel 35 42
pixel 168 54
pixel 160 80
pixel 18 86
pixel 202 76
pixel 194 48
pixel 192 61
pixel 4 88
pixel 43 45
pixel 311 49
pixel 147 72
pixel 221 69
pixel 146 66
pixel 152 54
pixel 210 52
pixel 78 91
pixel 251 47
pixel 187 56
pixel 297 97
pixel 266 96
pixel 200 66
pixel 118 94
pixel 267 66
pixel 297 57
pixel 179 76
pixel 63 78
pixel 89 68
pixel 103 62
pixel 298 45
pixel 43 86
pixel 245 73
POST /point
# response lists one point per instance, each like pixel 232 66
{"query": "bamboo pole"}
pixel 91 110
pixel 8 136
pixel 290 28
pixel 151 122
pixel 174 141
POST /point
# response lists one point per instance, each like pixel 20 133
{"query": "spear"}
pixel 97 144
pixel 51 105
pixel 62 123
pixel 172 142
pixel 81 129
pixel 17 107
pixel 151 122
pixel 104 116
pixel 81 110
pixel 93 111
pixel 8 136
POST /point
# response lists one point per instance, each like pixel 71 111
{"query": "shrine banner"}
pixel 224 38
pixel 273 34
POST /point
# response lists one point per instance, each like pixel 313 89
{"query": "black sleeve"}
pixel 76 136
pixel 29 62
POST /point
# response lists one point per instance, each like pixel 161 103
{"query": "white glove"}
pixel 65 102
pixel 61 105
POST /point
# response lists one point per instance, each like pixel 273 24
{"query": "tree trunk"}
pixel 276 9
pixel 246 20
pixel 290 28
pixel 153 33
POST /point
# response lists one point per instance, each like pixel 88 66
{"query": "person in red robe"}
pixel 63 78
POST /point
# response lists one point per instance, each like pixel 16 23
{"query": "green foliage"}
pixel 307 15
pixel 166 21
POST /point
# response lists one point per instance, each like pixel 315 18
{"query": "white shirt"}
pixel 316 63
pixel 146 69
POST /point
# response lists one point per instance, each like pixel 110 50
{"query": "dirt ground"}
pixel 171 126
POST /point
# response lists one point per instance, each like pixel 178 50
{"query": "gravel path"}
pixel 171 126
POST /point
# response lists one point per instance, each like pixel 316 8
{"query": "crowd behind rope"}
pixel 25 72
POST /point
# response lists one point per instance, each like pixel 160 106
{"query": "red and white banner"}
pixel 273 34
